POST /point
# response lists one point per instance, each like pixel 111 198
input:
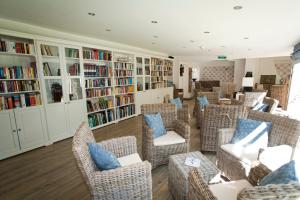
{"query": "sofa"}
pixel 235 162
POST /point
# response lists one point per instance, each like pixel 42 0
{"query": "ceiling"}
pixel 272 27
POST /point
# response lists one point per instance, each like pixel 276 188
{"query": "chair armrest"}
pixel 184 114
pixel 121 146
pixel 148 134
pixel 182 128
pixel 225 135
pixel 272 191
pixel 257 172
pixel 125 178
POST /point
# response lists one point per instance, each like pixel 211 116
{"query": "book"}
pixel 23 101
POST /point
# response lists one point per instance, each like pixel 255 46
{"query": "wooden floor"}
pixel 51 172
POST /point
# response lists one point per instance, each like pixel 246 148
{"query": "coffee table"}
pixel 178 173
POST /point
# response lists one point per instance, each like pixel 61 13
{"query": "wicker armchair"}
pixel 159 155
pixel 250 99
pixel 284 131
pixel 129 182
pixel 212 97
pixel 217 117
pixel 273 104
pixel 240 190
pixel 184 113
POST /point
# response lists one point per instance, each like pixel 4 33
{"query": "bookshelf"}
pixel 157 73
pixel 124 85
pixel 19 80
pixel 98 74
pixel 168 73
pixel 139 74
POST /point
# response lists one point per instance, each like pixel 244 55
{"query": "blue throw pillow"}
pixel 202 101
pixel 103 159
pixel 177 102
pixel 261 107
pixel 287 173
pixel 250 131
pixel 155 122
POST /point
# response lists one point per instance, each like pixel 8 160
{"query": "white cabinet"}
pixel 21 130
pixel 62 75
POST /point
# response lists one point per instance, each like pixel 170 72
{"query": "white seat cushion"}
pixel 171 137
pixel 245 154
pixel 275 157
pixel 129 160
pixel 229 190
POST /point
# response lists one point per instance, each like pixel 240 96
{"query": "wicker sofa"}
pixel 158 154
pixel 216 117
pixel 133 181
pixel 241 189
pixel 284 131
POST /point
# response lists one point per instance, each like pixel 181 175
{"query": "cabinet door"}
pixel 31 127
pixel 76 115
pixel 9 144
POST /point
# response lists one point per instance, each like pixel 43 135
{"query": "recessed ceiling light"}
pixel 108 30
pixel 92 13
pixel 206 32
pixel 154 22
pixel 246 38
pixel 155 36
pixel 237 7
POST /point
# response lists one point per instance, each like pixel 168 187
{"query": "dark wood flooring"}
pixel 51 172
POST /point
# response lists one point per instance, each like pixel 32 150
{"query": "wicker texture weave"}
pixel 284 131
pixel 250 99
pixel 273 104
pixel 212 97
pixel 184 114
pixel 159 155
pixel 217 117
pixel 130 182
pixel 178 173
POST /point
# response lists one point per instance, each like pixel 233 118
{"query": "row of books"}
pixel 91 83
pixel 19 101
pixel 139 71
pixel 156 73
pixel 96 54
pixel 168 63
pixel 125 111
pixel 74 69
pixel 124 81
pixel 156 68
pixel 97 92
pixel 99 104
pixel 19 72
pixel 156 61
pixel 19 86
pixel 47 70
pixel 124 89
pixel 123 100
pixel 124 66
pixel 156 79
pixel 16 46
pixel 122 73
pixel 97 119
pixel 47 50
pixel 167 68
pixel 157 85
pixel 168 73
pixel 93 70
pixel 72 53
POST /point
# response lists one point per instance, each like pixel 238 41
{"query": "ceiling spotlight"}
pixel 154 22
pixel 108 30
pixel 237 7
pixel 155 36
pixel 206 32
pixel 246 38
pixel 92 13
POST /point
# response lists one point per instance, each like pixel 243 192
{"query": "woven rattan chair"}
pixel 273 104
pixel 159 155
pixel 284 131
pixel 129 182
pixel 250 99
pixel 216 117
pixel 212 97
pixel 242 189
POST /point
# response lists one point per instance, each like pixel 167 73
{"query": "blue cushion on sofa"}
pixel 287 173
pixel 103 159
pixel 155 122
pixel 202 101
pixel 177 102
pixel 250 131
pixel 261 107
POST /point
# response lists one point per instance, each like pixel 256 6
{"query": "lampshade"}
pixel 248 82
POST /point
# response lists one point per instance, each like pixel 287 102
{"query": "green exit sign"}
pixel 222 57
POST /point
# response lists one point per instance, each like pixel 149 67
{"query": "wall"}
pixel 239 72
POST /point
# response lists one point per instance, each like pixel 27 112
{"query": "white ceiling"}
pixel 272 26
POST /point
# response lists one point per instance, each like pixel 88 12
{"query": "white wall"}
pixel 239 72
